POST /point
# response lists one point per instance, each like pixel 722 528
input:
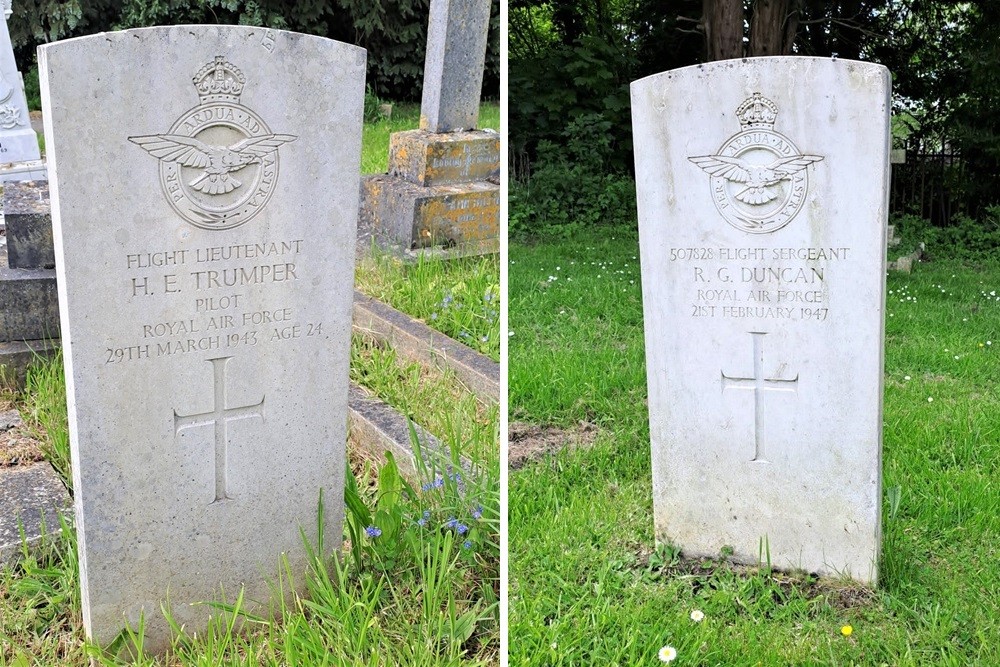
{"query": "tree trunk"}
pixel 769 23
pixel 723 23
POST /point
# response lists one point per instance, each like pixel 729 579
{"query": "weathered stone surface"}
pixel 426 158
pixel 762 195
pixel 418 342
pixel 18 142
pixel 453 67
pixel 205 278
pixel 443 215
pixel 28 217
pixel 32 499
pixel 29 304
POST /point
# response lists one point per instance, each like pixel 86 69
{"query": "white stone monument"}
pixel 204 202
pixel 20 159
pixel 762 195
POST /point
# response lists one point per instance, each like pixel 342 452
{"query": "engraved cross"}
pixel 758 384
pixel 219 417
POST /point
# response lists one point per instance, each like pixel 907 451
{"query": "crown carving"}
pixel 219 81
pixel 757 111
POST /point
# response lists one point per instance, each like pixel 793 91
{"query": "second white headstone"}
pixel 762 193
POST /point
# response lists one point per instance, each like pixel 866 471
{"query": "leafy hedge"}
pixel 393 31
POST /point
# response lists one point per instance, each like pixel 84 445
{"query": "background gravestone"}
pixel 205 273
pixel 442 188
pixel 762 193
pixel 20 159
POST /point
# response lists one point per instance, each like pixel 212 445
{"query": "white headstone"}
pixel 762 194
pixel 204 201
pixel 18 141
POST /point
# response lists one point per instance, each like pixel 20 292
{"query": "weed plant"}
pixel 587 585
pixel 45 410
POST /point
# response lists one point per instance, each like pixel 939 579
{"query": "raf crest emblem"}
pixel 219 161
pixel 759 178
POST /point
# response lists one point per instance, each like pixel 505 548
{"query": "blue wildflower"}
pixel 427 514
pixel 477 512
pixel 452 522
pixel 462 528
pixel 373 531
pixel 439 482
pixel 434 316
pixel 421 522
pixel 467 544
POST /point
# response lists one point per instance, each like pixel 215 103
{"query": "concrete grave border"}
pixel 418 342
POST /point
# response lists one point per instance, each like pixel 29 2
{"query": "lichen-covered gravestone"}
pixel 762 192
pixel 442 188
pixel 204 206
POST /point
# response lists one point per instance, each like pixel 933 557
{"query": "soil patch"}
pixel 18 447
pixel 530 442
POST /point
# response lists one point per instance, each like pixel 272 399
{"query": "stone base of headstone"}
pixel 29 303
pixel 904 264
pixel 23 171
pixel 28 220
pixel 464 217
pixel 415 341
pixel 32 502
pixel 892 240
pixel 376 428
pixel 16 357
pixel 444 158
pixel 441 192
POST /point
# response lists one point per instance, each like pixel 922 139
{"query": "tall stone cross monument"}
pixel 20 159
pixel 442 189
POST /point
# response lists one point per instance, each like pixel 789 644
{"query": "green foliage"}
pixel 393 31
pixel 580 81
pixel 458 297
pixel 965 238
pixel 373 106
pixel 32 91
pixel 570 188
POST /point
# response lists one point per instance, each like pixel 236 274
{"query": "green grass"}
pixel 436 401
pixel 458 297
pixel 375 141
pixel 587 586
